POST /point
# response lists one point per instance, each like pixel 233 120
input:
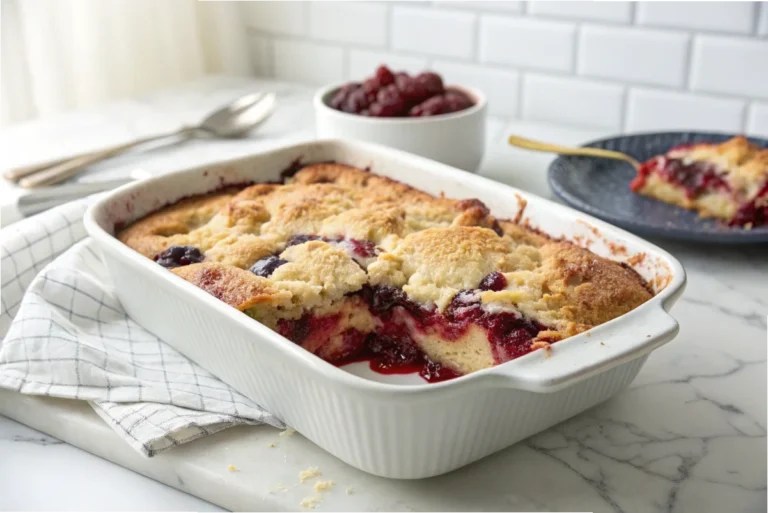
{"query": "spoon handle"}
pixel 529 144
pixel 67 168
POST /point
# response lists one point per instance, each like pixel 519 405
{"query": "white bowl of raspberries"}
pixel 414 113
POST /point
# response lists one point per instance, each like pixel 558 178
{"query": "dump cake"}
pixel 728 181
pixel 349 264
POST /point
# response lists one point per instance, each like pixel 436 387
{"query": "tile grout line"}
pixel 476 23
pixel 745 110
pixel 520 91
pixel 623 114
pixel 688 69
pixel 756 12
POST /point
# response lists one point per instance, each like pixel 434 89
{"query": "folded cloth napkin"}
pixel 68 336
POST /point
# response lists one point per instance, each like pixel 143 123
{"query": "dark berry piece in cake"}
pixel 386 298
pixel 177 256
pixel 266 266
pixel 494 281
pixel 392 351
pixel 301 239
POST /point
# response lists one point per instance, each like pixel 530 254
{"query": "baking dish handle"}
pixel 568 362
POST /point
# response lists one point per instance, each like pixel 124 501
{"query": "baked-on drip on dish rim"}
pixel 727 181
pixel 351 265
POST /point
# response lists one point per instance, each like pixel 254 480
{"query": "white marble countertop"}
pixel 688 435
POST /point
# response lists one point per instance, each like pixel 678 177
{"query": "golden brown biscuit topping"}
pixel 304 257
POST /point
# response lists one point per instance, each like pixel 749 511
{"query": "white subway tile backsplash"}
pixel 762 23
pixel 651 109
pixel 308 62
pixel 506 6
pixel 633 55
pixel 501 87
pixel 287 18
pixel 572 101
pixel 363 63
pixel 437 32
pixel 734 17
pixel 615 12
pixel 349 22
pixel 757 122
pixel 631 65
pixel 730 65
pixel 546 45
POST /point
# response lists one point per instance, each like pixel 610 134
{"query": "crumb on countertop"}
pixel 310 502
pixel 323 486
pixel 588 334
pixel 647 336
pixel 602 343
pixel 233 468
pixel 309 473
pixel 271 445
pixel 288 432
pixel 349 491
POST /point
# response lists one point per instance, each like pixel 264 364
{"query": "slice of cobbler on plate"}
pixel 351 265
pixel 727 181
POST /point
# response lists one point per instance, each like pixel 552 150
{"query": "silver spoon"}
pixel 232 120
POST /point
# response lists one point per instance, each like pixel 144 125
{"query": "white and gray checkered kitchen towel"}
pixel 66 335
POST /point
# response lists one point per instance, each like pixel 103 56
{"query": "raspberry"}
pixel 341 95
pixel 357 101
pixel 371 86
pixel 389 102
pixel 384 76
pixel 432 82
pixel 431 107
pixel 457 101
pixel 412 90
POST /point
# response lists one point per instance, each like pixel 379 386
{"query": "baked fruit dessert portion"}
pixel 727 181
pixel 351 265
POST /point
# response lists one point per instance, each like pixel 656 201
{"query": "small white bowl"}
pixel 456 139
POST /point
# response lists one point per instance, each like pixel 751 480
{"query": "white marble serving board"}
pixel 267 478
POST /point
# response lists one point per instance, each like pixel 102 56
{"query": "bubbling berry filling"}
pixel 754 213
pixel 695 178
pixel 391 348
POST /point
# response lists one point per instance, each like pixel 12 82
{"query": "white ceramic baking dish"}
pixel 408 428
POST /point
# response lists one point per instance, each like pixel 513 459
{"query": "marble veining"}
pixel 689 435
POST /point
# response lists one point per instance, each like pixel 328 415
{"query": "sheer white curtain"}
pixel 59 55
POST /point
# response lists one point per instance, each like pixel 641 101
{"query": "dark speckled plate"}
pixel 600 187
